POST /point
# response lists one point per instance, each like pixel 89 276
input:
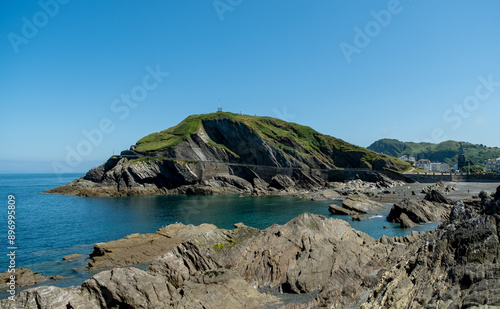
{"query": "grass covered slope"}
pixel 284 141
pixel 446 152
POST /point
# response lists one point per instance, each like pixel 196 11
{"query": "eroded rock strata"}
pixel 455 266
pixel 224 153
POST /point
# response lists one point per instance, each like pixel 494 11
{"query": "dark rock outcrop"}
pixel 436 197
pixel 281 182
pixel 418 212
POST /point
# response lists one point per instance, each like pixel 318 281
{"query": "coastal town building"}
pixel 493 165
pixel 424 164
pixel 439 167
pixel 408 158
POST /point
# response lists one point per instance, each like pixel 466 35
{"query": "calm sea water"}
pixel 49 226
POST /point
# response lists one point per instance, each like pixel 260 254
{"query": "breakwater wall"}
pixel 206 170
pixel 247 171
pixel 431 178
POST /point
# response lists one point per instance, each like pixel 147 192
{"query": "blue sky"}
pixel 360 71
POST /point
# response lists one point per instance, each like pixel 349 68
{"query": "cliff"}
pixel 225 152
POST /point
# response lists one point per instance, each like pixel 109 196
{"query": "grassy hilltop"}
pixel 291 139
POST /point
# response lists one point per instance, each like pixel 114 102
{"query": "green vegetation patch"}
pixel 293 139
pixel 446 152
pixel 148 159
pixel 229 244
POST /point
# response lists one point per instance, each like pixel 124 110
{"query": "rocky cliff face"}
pixel 224 152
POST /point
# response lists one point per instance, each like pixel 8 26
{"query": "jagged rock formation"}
pixel 224 152
pixel 456 266
pixel 440 187
pixel 220 270
pixel 433 208
pixel 144 248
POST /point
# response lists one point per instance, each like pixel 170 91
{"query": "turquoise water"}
pixel 49 226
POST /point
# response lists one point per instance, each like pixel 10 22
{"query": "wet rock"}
pixel 72 257
pixel 360 217
pixel 362 205
pixel 24 277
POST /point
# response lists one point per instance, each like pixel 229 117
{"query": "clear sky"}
pixel 93 77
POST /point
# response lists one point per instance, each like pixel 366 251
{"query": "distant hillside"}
pixel 446 152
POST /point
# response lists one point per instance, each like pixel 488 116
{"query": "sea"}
pixel 50 226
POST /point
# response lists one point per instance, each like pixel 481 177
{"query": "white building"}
pixel 424 164
pixel 439 167
pixel 493 165
pixel 408 158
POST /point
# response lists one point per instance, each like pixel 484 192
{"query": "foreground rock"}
pixel 131 250
pixel 456 266
pixel 143 248
pixel 221 269
pixel 25 277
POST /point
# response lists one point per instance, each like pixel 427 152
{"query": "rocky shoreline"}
pixel 323 259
